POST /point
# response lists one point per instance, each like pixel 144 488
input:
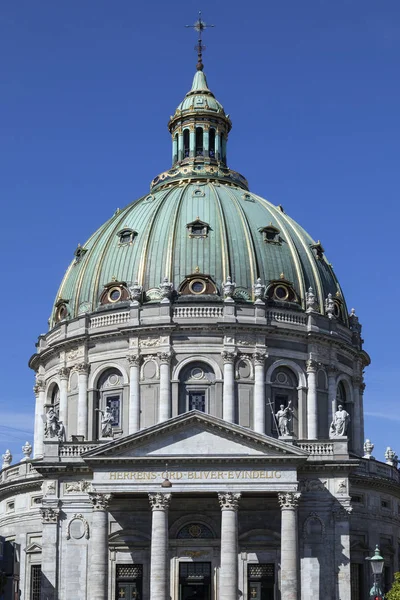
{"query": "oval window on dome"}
pixel 114 294
pixel 61 312
pixel 197 286
pixel 281 292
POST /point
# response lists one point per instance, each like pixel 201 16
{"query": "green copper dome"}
pixel 199 218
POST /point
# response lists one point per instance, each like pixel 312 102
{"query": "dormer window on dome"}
pixel 198 228
pixel 126 236
pixel 281 290
pixel 318 250
pixel 270 234
pixel 198 284
pixel 114 292
pixel 61 310
pixel 79 253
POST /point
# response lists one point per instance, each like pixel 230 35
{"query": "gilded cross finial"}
pixel 200 26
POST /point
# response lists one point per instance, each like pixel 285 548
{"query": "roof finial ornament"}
pixel 200 26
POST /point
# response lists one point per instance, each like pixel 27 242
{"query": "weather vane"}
pixel 200 26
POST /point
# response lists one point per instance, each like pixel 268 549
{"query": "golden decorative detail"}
pixel 282 276
pixel 197 270
pixel 113 278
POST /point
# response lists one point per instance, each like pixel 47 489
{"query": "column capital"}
pixel 134 360
pixel 63 373
pixel 100 501
pixel 259 358
pixel 229 500
pixel 311 365
pixel 39 386
pixel 82 368
pixel 332 370
pixel 342 512
pixel 159 501
pixel 289 500
pixel 165 357
pixel 228 357
pixel 357 381
pixel 49 514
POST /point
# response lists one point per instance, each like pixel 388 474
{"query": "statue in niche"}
pixel 340 423
pixel 53 426
pixel 284 417
pixel 107 419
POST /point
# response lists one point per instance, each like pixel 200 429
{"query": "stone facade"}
pixel 203 438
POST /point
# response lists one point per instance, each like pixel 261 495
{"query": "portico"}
pixel 202 483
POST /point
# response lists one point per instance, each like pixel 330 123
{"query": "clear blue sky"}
pixel 86 90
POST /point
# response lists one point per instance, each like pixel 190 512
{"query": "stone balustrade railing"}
pixel 285 316
pixel 375 468
pixel 198 312
pixel 114 318
pixel 72 450
pixel 318 449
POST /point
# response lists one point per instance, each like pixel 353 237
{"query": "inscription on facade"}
pixel 193 475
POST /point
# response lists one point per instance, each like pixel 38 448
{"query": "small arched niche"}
pixel 108 412
pixel 196 388
pixel 284 383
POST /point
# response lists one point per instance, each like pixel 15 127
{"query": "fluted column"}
pixel 63 415
pixel 83 371
pixel 159 572
pixel 332 408
pixel 259 392
pixel 134 393
pixel 49 552
pixel 38 438
pixel 98 555
pixel 217 145
pixel 174 149
pixel 180 146
pixel 312 406
pixel 164 411
pixel 206 140
pixel 289 546
pixel 228 575
pixel 228 399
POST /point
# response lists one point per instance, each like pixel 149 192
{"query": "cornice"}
pixel 375 482
pixel 20 487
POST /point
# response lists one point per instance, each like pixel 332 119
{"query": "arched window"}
pixel 284 394
pixel 199 141
pixel 176 146
pixel 186 143
pixel 109 404
pixel 196 388
pixel 55 397
pixel 221 147
pixel 195 531
pixel 212 143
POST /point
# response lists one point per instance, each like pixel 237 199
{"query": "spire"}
pixel 200 26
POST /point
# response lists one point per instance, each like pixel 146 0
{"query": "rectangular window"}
pixel 114 402
pixel 36 582
pixel 356 571
pixel 195 580
pixel 129 582
pixel 197 401
pixel 385 504
pixel 261 580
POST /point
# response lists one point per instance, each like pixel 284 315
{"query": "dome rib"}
pixel 169 261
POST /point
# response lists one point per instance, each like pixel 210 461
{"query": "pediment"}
pixel 195 435
pixel 33 548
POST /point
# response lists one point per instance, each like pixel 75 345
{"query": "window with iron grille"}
pixel 129 571
pixel 356 579
pixel 195 571
pixel 264 571
pixel 36 582
pixel 195 531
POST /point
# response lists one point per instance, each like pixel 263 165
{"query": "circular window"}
pixel 197 286
pixel 114 295
pixel 281 378
pixel 281 292
pixel 336 309
pixel 62 312
pixel 197 373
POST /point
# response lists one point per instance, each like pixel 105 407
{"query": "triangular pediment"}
pixel 33 548
pixel 195 435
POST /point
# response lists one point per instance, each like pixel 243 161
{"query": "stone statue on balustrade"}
pixel 53 427
pixel 107 419
pixel 284 417
pixel 340 423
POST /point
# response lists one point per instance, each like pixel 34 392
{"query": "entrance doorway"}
pixel 261 581
pixel 194 581
pixel 129 582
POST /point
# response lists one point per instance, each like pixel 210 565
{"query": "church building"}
pixel 199 405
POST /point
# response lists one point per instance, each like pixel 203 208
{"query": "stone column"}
pixel 290 589
pixel 159 572
pixel 259 392
pixel 228 574
pixel 98 550
pixel 134 393
pixel 83 371
pixel 63 415
pixel 228 398
pixel 192 141
pixel 217 145
pixel 206 140
pixel 312 406
pixel 39 390
pixel 164 411
pixel 332 387
pixel 50 552
pixel 174 149
pixel 180 146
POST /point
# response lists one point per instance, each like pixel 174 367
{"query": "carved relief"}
pixel 149 368
pixel 341 487
pixel 312 485
pixel 313 528
pixel 49 488
pixel 77 486
pixel 49 514
pixel 150 342
pixel 77 527
pixel 100 501
pixel 75 353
